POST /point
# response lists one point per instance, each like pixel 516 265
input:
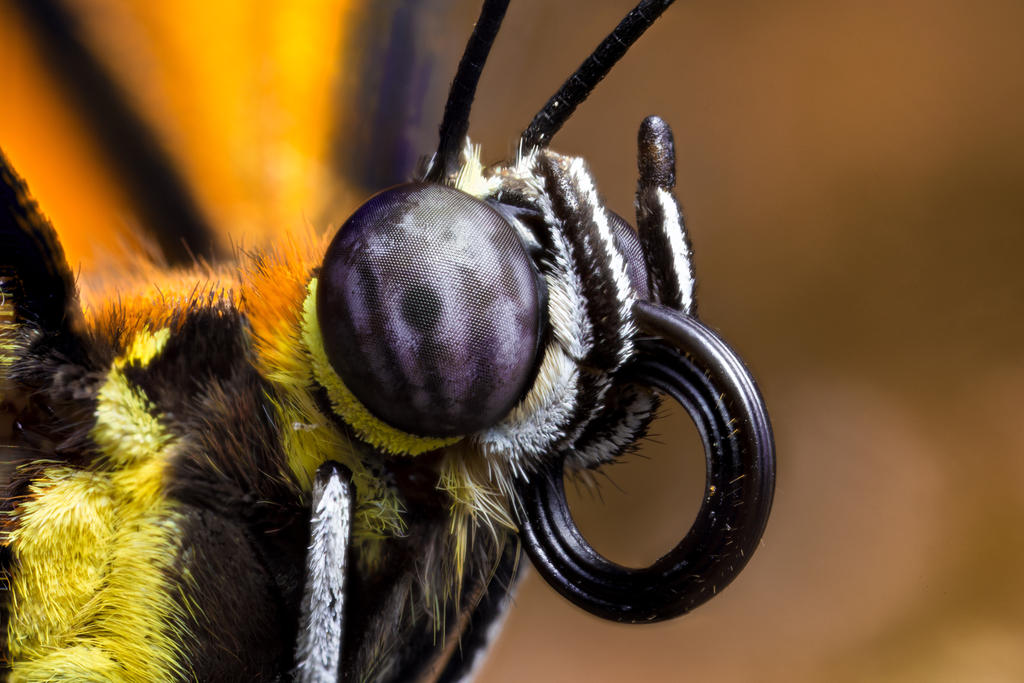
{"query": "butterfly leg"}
pixel 323 605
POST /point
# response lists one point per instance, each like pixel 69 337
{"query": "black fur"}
pixel 606 431
pixel 247 522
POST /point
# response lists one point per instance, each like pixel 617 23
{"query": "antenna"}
pixel 455 123
pixel 578 87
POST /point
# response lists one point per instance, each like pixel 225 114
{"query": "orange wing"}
pixel 260 109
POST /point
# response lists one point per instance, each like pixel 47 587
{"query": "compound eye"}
pixel 630 246
pixel 430 310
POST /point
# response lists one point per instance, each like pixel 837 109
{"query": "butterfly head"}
pixel 503 317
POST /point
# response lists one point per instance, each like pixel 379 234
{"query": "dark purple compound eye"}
pixel 430 310
pixel 629 244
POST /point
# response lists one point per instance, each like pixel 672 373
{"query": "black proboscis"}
pixel 692 365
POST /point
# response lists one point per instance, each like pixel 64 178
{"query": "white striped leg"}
pixel 660 220
pixel 318 652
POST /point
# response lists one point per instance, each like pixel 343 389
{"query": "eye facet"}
pixel 430 310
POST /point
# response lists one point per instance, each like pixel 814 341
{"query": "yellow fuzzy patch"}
pixel 90 599
pixel 126 429
pixel 472 178
pixel 144 347
pixel 344 402
pixel 479 500
pixel 273 290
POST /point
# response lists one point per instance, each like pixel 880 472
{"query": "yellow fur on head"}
pixel 355 414
pixel 273 290
pixel 479 500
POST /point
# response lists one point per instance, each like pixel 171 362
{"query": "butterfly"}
pixel 323 459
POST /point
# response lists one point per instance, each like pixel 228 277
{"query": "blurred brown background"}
pixel 853 176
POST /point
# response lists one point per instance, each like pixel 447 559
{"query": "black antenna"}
pixel 455 123
pixel 578 87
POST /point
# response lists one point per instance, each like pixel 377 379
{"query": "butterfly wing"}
pixel 141 123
